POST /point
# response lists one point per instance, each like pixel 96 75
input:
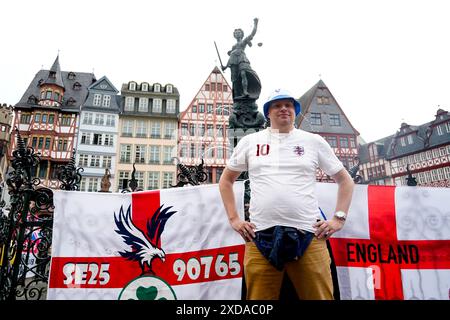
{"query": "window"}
pixel 193 153
pixel 144 87
pixel 97 139
pixel 167 154
pixel 129 104
pixel 85 138
pixel 87 118
pixel 47 143
pixel 184 129
pixel 123 179
pixel 43 166
pixel 51 119
pixel 171 106
pixel 48 95
pixel 225 88
pixel 57 96
pixel 99 119
pixel 343 141
pixel 125 153
pixel 201 130
pixel 110 120
pixel 157 87
pixel 141 129
pixel 139 155
pixel 139 176
pixel 192 130
pixel 194 109
pixel 71 76
pixel 156 130
pixel 183 150
pixel 132 86
pixel 62 144
pixel 219 109
pixel 95 161
pixel 213 86
pixel 316 119
pixel 207 87
pixel 201 108
pixel 106 100
pixel 65 120
pixel 25 118
pixel 77 86
pixel 107 160
pixel 127 128
pixel 332 141
pixel 83 160
pixel 109 140
pixel 153 180
pixel 169 130
pixel 157 105
pixel 447 127
pixel 210 130
pixel 409 138
pixel 402 141
pixel 209 108
pixel 143 105
pixel 97 99
pixel 167 179
pixel 435 153
pixel 220 131
pixel 335 120
pixel 92 184
pixel 154 155
pixel 439 130
pixel 169 88
pixel 352 143
pixel 37 117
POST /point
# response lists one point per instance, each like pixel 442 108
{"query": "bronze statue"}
pixel 246 83
pixel 105 183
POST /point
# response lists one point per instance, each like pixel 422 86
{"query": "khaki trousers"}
pixel 310 275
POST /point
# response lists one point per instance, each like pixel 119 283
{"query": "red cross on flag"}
pixel 395 244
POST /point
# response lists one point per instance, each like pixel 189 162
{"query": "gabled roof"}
pixel 382 148
pixel 103 84
pixel 199 94
pixel 309 105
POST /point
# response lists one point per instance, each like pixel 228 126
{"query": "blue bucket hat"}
pixel 280 94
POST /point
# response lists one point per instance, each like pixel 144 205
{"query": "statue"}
pixel 105 183
pixel 246 84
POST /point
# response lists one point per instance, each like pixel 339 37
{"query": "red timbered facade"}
pixel 47 117
pixel 321 114
pixel 202 130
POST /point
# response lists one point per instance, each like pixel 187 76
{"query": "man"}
pixel 286 232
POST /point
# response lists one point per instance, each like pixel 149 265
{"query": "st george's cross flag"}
pixel 395 244
pixel 152 245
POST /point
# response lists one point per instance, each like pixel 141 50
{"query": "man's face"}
pixel 282 113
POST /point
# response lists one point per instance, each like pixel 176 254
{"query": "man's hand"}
pixel 326 228
pixel 244 228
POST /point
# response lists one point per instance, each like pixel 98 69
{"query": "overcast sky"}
pixel 386 62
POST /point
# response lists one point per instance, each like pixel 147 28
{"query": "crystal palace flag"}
pixel 153 245
pixel 395 244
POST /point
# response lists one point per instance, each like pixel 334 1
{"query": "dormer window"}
pixel 132 86
pixel 144 87
pixel 157 88
pixel 32 99
pixel 52 74
pixel 169 88
pixel 48 95
pixel 77 86
pixel 40 82
pixel 71 76
pixel 71 101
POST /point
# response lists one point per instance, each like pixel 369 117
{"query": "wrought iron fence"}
pixel 26 228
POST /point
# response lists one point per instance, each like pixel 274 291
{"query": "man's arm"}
pixel 244 228
pixel 344 197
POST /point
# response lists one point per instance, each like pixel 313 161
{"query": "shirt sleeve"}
pixel 239 158
pixel 328 161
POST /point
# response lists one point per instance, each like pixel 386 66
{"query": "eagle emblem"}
pixel 143 247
